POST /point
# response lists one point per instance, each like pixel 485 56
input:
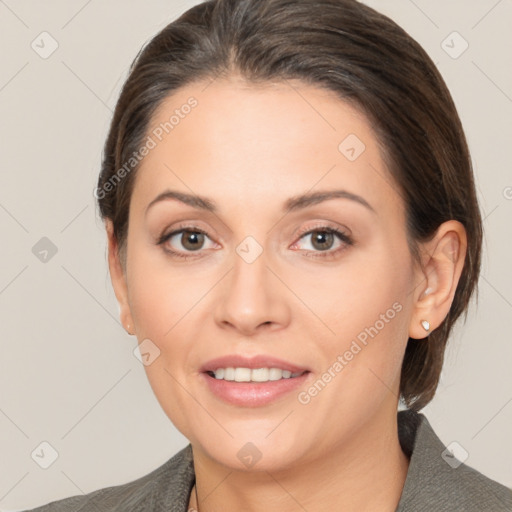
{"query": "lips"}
pixel 252 393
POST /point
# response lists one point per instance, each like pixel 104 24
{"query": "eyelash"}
pixel 343 237
pixel 180 229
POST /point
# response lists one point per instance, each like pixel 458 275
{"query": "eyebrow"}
pixel 292 204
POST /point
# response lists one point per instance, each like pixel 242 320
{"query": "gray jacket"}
pixel 435 482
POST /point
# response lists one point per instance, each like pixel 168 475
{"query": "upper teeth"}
pixel 254 375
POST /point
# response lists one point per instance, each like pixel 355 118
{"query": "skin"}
pixel 249 149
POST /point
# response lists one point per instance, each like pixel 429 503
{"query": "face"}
pixel 296 259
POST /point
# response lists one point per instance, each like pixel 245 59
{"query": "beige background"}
pixel 68 375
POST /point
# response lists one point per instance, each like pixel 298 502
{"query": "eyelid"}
pixel 322 225
pixel 178 229
pixel 339 232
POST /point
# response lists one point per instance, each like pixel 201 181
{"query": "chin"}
pixel 251 456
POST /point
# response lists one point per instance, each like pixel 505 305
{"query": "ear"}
pixel 442 263
pixel 118 278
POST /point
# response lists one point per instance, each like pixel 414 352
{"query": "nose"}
pixel 252 298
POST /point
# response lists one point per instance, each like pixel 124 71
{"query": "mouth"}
pixel 241 374
pixel 252 382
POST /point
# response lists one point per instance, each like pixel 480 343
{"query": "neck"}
pixel 367 474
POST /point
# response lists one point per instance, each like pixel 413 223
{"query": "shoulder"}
pixel 165 488
pixel 437 480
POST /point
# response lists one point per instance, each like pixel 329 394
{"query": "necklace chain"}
pixel 192 509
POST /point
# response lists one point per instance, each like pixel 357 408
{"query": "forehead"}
pixel 240 142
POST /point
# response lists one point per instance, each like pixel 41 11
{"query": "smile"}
pixel 241 374
pixel 248 391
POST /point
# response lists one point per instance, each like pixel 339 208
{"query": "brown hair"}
pixel 368 60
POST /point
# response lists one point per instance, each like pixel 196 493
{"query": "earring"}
pixel 128 329
pixel 426 325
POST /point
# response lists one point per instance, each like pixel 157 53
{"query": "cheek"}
pixel 162 306
pixel 164 302
pixel 365 291
pixel 368 311
pixel 169 388
pixel 161 296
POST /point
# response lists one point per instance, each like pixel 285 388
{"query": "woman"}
pixel 293 231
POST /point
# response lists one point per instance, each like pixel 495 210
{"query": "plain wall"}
pixel 68 374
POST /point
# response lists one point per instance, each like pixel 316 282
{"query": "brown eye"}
pixel 192 240
pixel 322 240
pixel 184 242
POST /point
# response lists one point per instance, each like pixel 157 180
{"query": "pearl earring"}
pixel 426 325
